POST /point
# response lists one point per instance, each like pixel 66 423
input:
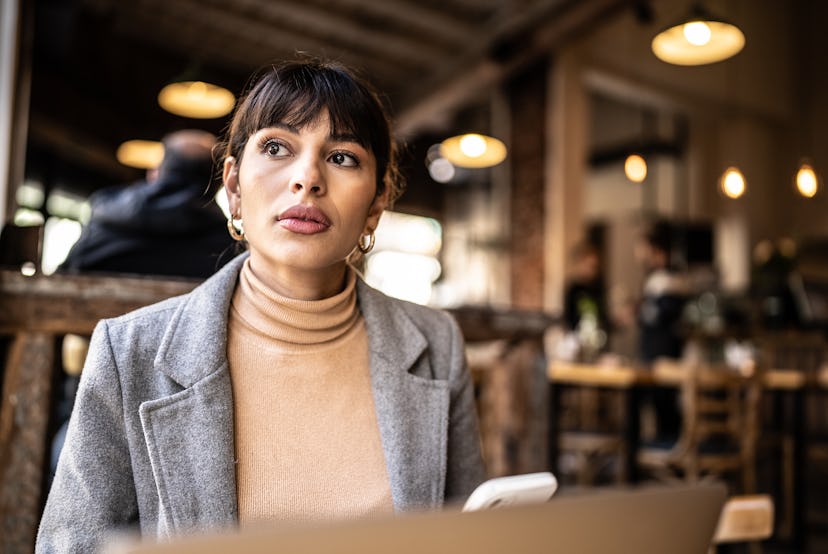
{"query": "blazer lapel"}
pixel 189 435
pixel 411 407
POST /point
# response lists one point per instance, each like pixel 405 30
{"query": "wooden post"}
pixel 24 416
pixel 527 94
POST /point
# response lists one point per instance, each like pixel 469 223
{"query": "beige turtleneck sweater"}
pixel 307 441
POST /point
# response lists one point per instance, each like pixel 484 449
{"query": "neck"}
pixel 301 284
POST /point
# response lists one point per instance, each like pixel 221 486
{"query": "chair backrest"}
pixel 722 403
pixel 720 426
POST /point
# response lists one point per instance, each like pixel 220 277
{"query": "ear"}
pixel 230 177
pixel 375 211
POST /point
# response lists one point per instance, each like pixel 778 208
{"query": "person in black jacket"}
pixel 166 225
pixel 663 299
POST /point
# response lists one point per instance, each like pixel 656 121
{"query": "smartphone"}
pixel 515 490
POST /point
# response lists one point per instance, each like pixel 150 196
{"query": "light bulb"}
pixel 733 183
pixel 697 33
pixel 473 145
pixel 806 181
pixel 635 168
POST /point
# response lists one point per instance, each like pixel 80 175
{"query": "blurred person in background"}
pixel 660 312
pixel 585 306
pixel 168 224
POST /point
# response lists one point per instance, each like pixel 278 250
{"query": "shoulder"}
pixel 150 317
pixel 206 302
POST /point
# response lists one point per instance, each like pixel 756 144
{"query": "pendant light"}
pixel 143 154
pixel 190 94
pixel 732 183
pixel 196 99
pixel 807 181
pixel 700 38
pixel 473 150
pixel 635 168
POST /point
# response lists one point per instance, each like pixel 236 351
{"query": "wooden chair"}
pixel 720 420
pixel 816 451
pixel 591 448
pixel 591 437
pixel 800 353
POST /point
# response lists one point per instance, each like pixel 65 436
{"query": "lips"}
pixel 305 220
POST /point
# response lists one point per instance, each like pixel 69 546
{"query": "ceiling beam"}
pixel 520 42
pixel 243 30
pixel 334 27
pixel 420 18
pixel 85 150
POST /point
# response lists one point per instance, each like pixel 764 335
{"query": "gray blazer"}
pixel 150 441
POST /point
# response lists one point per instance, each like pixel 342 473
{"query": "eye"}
pixel 344 159
pixel 274 148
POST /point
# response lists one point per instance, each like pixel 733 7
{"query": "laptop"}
pixel 650 520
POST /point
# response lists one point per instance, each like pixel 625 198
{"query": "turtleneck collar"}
pixel 300 322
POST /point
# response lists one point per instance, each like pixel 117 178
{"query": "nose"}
pixel 308 176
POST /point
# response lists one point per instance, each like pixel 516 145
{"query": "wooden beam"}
pixel 247 53
pixel 75 303
pixel 474 73
pixel 247 30
pixel 337 28
pixel 413 14
pixel 24 417
pixel 84 150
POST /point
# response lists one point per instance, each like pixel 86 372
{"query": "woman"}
pixel 284 387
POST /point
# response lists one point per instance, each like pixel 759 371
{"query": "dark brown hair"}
pixel 294 93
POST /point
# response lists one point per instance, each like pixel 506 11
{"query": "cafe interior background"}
pixel 570 88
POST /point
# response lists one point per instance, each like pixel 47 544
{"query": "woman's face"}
pixel 305 197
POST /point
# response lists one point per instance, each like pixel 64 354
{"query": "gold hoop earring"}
pixel 235 232
pixel 366 248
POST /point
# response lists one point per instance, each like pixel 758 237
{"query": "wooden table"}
pixel 632 380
